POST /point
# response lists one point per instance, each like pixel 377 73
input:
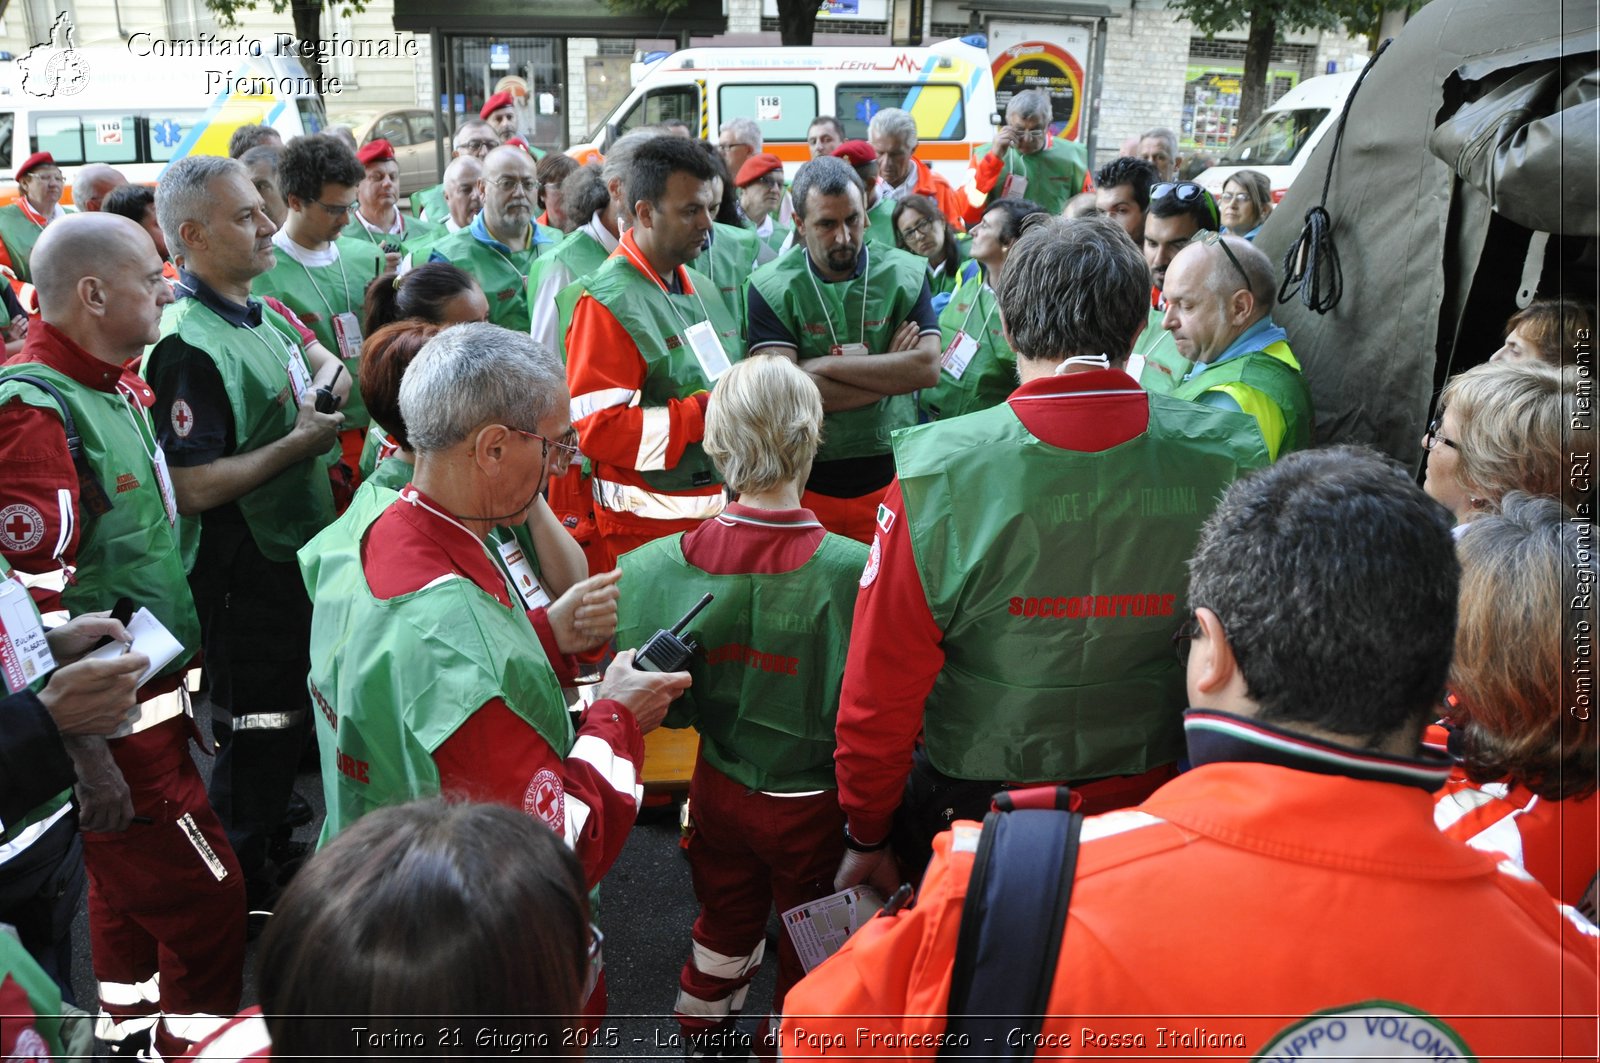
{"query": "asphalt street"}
pixel 647 907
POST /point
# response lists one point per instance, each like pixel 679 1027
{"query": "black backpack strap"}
pixel 1011 926
pixel 92 497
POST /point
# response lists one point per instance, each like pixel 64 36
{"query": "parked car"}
pixel 1281 139
pixel 410 130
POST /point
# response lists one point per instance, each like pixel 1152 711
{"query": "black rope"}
pixel 1311 265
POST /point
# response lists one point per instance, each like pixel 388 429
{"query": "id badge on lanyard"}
pixel 347 331
pixel 1016 186
pixel 24 653
pixel 169 501
pixel 959 354
pixel 522 577
pixel 299 377
pixel 702 339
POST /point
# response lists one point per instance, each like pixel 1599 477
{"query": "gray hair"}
pixel 87 177
pixel 1033 103
pixel 620 157
pixel 1165 135
pixel 746 130
pixel 584 193
pixel 184 194
pixel 764 423
pixel 474 374
pixel 828 176
pixel 465 130
pixel 893 122
pixel 463 162
pixel 1074 286
pixel 1258 271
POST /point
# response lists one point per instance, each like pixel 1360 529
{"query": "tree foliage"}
pixel 797 19
pixel 1267 20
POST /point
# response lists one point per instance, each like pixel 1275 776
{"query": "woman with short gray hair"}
pixel 767 825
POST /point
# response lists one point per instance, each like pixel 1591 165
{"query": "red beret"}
pixel 493 104
pixel 756 167
pixel 856 152
pixel 372 151
pixel 34 161
pixel 516 142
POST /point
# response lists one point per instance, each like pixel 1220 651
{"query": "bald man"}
pixel 461 194
pixel 166 896
pixel 503 242
pixel 1219 292
pixel 93 183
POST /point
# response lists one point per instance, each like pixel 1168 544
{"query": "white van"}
pixel 1281 139
pixel 137 113
pixel 946 87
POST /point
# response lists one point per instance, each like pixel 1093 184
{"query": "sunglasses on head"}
pixel 1187 192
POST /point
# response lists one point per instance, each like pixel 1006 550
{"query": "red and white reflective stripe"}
pixel 65 509
pixel 604 399
pixel 638 502
pixel 619 771
pixel 654 435
pixel 577 813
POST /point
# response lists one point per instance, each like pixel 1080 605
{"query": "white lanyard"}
pixel 415 499
pixel 645 268
pixel 147 437
pixel 987 314
pixel 344 284
pixel 532 246
pixel 866 278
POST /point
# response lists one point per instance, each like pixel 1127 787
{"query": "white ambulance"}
pixel 946 87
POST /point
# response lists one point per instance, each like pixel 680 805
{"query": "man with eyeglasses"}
pixel 237 417
pixel 760 184
pixel 648 340
pixel 738 139
pixel 1026 160
pixel 503 242
pixel 474 138
pixel 1176 212
pixel 893 135
pixel 1027 571
pixel 321 274
pixel 380 221
pixel 430 675
pixel 1219 294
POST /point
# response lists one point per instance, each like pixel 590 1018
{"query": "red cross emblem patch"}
pixel 21 527
pixel 546 799
pixel 182 418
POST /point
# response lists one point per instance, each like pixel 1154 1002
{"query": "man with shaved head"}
pixel 503 242
pixel 1219 292
pixel 166 897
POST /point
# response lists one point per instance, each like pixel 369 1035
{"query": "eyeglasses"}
pixel 735 144
pixel 1233 197
pixel 1213 239
pixel 511 184
pixel 1027 134
pixel 919 231
pixel 1434 438
pixel 337 210
pixel 1183 637
pixel 566 452
pixel 1186 192
pixel 478 145
pixel 597 963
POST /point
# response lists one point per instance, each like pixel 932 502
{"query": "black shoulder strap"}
pixel 92 497
pixel 1011 926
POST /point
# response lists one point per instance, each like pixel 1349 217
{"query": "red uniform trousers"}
pixel 621 532
pixel 167 935
pixel 854 518
pixel 571 498
pixel 749 851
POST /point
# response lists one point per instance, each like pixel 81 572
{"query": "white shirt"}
pixel 546 325
pixel 304 255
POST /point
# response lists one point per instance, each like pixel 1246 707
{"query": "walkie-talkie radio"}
pixel 666 651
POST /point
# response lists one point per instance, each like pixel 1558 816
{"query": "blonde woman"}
pixel 767 825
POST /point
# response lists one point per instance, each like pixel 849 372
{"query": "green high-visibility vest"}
pixel 391 473
pixel 1054 175
pixel 880 224
pixel 318 294
pixel 657 321
pixel 991 374
pixel 766 684
pixel 948 280
pixel 19 233
pixel 819 314
pixel 393 679
pixel 728 263
pixel 502 275
pixel 417 238
pixel 580 255
pixel 287 510
pixel 1058 605
pixel 1268 386
pixel 133 549
pixel 1164 365
pixel 429 204
pixel 50 807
